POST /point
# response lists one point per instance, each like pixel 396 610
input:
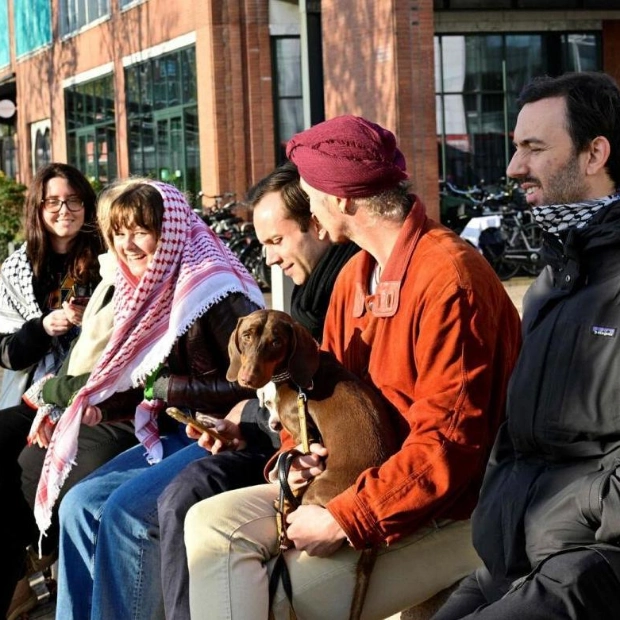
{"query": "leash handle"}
pixel 302 401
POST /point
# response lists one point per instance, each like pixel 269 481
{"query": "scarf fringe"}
pixel 162 349
pixel 191 270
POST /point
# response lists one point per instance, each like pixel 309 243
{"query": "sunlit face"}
pixel 64 226
pixel 135 247
pixel 545 162
pixel 295 252
pixel 325 209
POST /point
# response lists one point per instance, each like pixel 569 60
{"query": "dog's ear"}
pixel 234 353
pixel 303 360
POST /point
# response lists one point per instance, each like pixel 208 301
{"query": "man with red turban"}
pixel 420 316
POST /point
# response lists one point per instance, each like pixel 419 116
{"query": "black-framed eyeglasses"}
pixel 54 205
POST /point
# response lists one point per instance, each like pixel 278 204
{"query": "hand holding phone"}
pixel 79 301
pixel 179 416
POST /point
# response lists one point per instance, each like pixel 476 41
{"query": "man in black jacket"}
pixel 547 525
pixel 300 247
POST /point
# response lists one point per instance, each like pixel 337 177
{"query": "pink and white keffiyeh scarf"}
pixel 191 271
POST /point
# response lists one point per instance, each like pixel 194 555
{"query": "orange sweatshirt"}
pixel 439 340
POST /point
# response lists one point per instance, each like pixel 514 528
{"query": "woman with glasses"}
pixel 39 318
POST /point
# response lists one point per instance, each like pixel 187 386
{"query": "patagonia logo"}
pixel 608 332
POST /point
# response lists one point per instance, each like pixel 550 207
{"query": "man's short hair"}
pixel 285 180
pixel 593 109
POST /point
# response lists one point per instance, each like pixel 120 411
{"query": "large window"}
pixel 33 25
pixel 289 117
pixel 75 14
pixel 163 119
pixel 91 129
pixel 477 82
pixel 525 4
pixel 5 51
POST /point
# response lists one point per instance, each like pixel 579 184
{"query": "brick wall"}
pixel 611 48
pixel 378 63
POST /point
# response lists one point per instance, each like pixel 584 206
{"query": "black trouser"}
pixel 572 585
pixel 17 527
pixel 20 469
pixel 199 480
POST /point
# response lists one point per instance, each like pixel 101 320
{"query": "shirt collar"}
pixel 384 303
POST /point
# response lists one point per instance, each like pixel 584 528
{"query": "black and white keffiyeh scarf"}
pixel 18 304
pixel 556 218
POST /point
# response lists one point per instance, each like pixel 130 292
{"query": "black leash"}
pixel 287 501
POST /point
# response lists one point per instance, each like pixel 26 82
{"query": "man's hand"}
pixel 313 529
pixel 56 323
pixel 304 468
pixel 228 427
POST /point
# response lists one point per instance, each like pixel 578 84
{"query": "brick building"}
pixel 204 93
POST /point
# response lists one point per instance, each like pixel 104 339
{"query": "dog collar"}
pixel 282 377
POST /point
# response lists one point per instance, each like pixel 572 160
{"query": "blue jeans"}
pixel 109 562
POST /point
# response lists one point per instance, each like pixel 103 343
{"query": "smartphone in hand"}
pixel 81 294
pixel 80 301
pixel 179 416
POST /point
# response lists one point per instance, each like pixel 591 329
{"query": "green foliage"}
pixel 11 212
pixel 96 184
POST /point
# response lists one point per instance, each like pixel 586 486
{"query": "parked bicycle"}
pixel 522 245
pixel 502 228
pixel 237 233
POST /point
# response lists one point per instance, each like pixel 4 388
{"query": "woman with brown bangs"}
pixel 177 298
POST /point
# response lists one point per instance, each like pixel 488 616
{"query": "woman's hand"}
pixel 57 323
pixel 44 434
pixel 92 415
pixel 73 311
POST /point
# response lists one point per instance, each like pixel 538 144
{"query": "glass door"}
pixel 170 149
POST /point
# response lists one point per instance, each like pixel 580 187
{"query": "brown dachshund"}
pixel 351 418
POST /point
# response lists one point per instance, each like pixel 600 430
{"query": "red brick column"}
pixel 611 48
pixel 236 112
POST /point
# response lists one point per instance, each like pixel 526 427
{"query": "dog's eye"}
pixel 245 337
pixel 276 343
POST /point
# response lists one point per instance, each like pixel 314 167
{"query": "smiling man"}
pixel 547 524
pixel 294 241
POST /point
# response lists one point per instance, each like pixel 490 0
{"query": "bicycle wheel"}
pixel 505 267
pixel 502 260
pixel 531 237
pixel 254 261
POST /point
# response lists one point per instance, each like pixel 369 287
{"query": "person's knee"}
pixel 177 498
pixel 73 506
pixel 576 570
pixel 195 525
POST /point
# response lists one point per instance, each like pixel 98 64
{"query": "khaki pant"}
pixel 231 540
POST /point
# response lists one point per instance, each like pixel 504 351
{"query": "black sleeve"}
pixel 211 392
pixel 27 346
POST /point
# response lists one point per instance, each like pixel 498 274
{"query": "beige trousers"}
pixel 231 542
